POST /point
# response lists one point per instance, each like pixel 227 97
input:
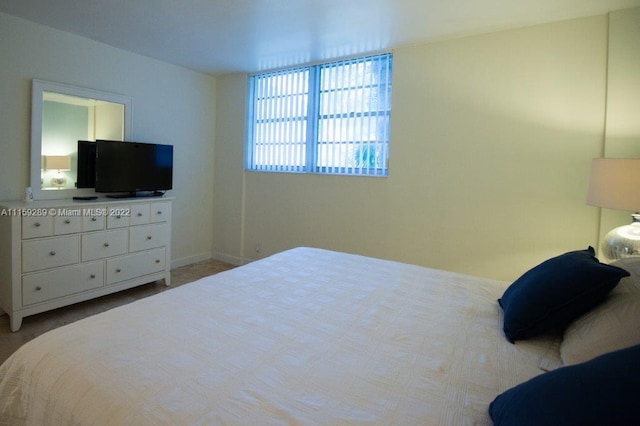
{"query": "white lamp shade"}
pixel 59 162
pixel 614 183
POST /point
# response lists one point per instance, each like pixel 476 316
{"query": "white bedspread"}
pixel 307 336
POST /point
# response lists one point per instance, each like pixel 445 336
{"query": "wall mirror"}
pixel 61 115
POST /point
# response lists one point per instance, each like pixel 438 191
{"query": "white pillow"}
pixel 613 325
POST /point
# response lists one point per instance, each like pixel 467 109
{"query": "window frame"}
pixel 313 118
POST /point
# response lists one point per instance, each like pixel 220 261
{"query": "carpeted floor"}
pixel 33 326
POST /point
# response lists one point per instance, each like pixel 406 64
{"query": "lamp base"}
pixel 623 241
pixel 59 181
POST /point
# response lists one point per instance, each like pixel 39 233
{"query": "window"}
pixel 331 118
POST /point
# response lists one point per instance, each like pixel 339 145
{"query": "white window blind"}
pixel 330 118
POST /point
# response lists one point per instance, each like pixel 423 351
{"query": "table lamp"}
pixel 59 162
pixel 614 183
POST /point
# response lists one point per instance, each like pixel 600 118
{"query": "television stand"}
pixel 86 250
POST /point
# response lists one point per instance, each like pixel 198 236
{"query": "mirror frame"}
pixel 37 92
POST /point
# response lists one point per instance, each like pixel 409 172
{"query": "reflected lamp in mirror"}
pixel 59 163
pixel 614 183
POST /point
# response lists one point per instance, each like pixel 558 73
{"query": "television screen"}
pixel 132 167
pixel 86 164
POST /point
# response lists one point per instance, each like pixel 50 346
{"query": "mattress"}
pixel 306 336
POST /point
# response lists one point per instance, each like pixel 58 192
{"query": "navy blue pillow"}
pixel 554 293
pixel 603 391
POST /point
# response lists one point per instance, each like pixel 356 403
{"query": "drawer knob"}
pixel 93 219
pixel 148 237
pixel 67 221
pixel 157 260
pixel 92 276
pixel 118 217
pixel 139 214
pixel 52 253
pixel 118 270
pixel 37 224
pixel 159 212
pixel 38 288
pixel 106 244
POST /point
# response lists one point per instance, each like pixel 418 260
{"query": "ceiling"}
pixel 221 36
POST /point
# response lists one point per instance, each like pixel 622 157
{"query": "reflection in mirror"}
pixel 66 120
pixel 61 116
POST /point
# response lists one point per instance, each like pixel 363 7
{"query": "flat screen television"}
pixel 133 168
pixel 86 164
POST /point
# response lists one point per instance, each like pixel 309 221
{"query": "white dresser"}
pixel 55 253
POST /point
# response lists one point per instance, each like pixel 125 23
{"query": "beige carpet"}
pixel 33 326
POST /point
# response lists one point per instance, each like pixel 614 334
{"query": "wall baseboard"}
pixel 184 261
pixel 234 260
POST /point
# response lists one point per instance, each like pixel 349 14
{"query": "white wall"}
pixel 491 143
pixel 228 207
pixel 623 99
pixel 171 105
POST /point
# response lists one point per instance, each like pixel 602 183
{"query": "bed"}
pixel 306 336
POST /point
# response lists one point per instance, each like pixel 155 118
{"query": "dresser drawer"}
pixel 37 226
pixel 160 211
pixel 93 222
pixel 43 286
pixel 148 237
pixel 118 216
pixel 98 245
pixel 67 225
pixel 140 214
pixel 135 265
pixel 50 253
